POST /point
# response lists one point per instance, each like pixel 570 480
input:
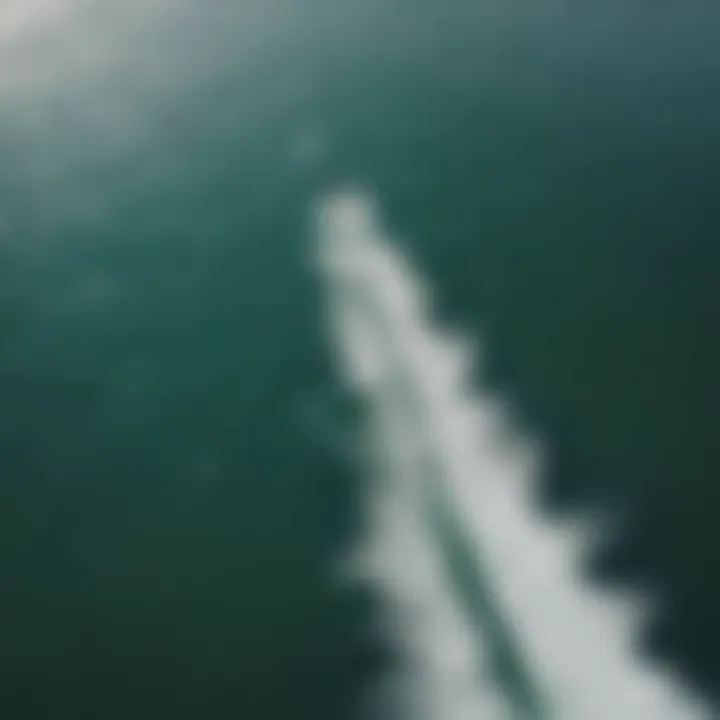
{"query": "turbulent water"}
pixel 168 519
pixel 483 599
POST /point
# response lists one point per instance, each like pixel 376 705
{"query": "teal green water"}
pixel 167 522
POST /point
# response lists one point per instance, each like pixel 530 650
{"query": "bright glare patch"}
pixel 48 44
pixel 20 17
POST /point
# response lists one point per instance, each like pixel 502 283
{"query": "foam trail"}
pixel 483 601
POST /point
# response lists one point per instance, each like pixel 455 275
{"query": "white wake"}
pixel 484 603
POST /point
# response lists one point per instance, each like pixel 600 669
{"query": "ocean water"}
pixel 169 516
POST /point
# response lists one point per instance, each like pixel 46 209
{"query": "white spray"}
pixel 484 604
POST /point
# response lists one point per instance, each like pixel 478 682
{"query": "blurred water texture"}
pixel 166 524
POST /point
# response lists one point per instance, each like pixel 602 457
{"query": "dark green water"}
pixel 167 523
